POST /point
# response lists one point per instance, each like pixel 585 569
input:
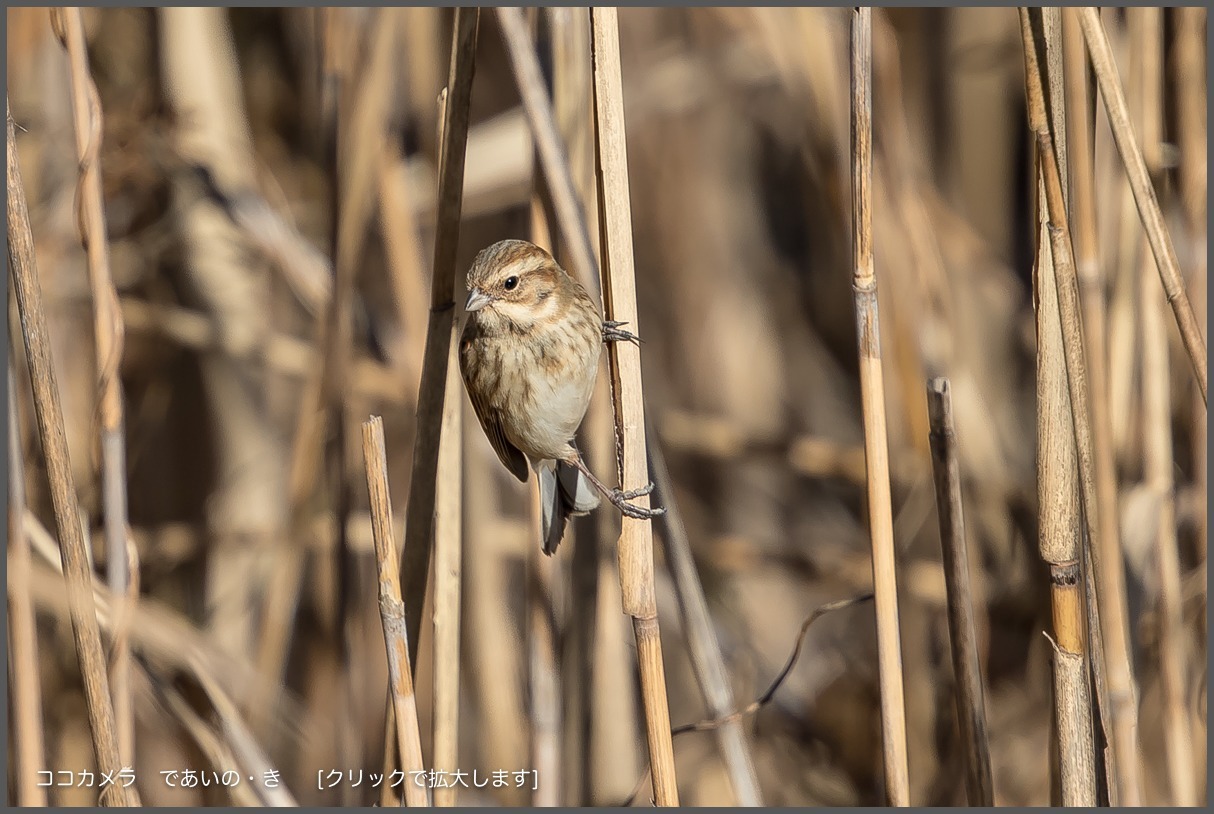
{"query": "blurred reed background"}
pixel 239 615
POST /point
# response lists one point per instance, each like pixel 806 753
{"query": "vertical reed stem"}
pixel 72 547
pixel 872 394
pixel 440 332
pixel 29 756
pixel 971 706
pixel 619 301
pixel 1062 432
pixel 108 336
pixel 392 614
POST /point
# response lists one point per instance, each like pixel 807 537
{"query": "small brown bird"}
pixel 529 355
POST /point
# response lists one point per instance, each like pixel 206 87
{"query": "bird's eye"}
pixel 511 283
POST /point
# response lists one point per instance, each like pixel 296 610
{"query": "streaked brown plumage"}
pixel 529 355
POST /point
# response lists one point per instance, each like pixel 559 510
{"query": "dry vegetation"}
pixel 265 202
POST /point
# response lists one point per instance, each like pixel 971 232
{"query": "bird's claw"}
pixel 620 499
pixel 614 332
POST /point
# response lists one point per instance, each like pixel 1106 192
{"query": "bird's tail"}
pixel 564 492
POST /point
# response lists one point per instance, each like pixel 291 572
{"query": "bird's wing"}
pixel 510 455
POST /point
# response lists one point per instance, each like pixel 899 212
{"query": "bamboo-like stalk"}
pixel 705 651
pixel 1111 91
pixel 635 551
pixel 1062 412
pixel 28 744
pixel 1125 766
pixel 108 335
pixel 448 582
pixel 872 394
pixel 72 549
pixel 392 613
pixel 440 331
pixel 971 705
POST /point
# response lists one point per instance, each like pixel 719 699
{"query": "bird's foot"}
pixel 620 499
pixel 614 332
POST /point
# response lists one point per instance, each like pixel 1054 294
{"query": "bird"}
pixel 529 356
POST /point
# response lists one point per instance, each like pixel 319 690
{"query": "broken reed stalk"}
pixel 872 395
pixel 1125 766
pixel 1061 423
pixel 1157 439
pixel 72 547
pixel 392 613
pixel 619 303
pixel 1149 212
pixel 441 328
pixel 28 744
pixel 967 674
pixel 108 334
pixel 704 650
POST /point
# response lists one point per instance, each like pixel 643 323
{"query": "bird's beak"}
pixel 476 300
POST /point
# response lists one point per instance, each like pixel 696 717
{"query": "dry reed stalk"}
pixel 1111 91
pixel 635 551
pixel 34 332
pixel 1190 49
pixel 108 335
pixel 574 232
pixel 1061 423
pixel 441 328
pixel 1110 569
pixel 29 756
pixel 392 614
pixel 967 674
pixel 1147 25
pixel 872 394
pixel 702 646
pixel 448 582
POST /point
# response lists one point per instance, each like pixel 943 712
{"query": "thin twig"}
pixel 702 644
pixel 36 337
pixel 635 548
pixel 1144 191
pixel 28 744
pixel 712 724
pixel 967 674
pixel 440 332
pixel 872 393
pixel 392 612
